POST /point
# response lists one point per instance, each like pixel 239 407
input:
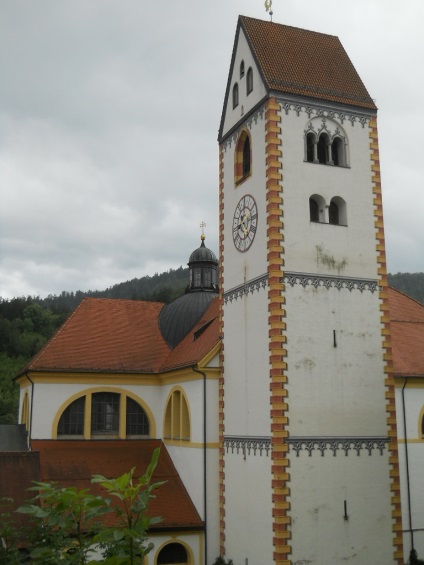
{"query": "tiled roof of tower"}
pixel 108 335
pixel 73 462
pixel 407 329
pixel 305 63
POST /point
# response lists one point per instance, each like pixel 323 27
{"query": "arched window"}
pixel 137 422
pixel 337 212
pixel 310 147
pixel 323 145
pixel 172 553
pixel 177 420
pixel 98 414
pixel 338 155
pixel 331 142
pixel 242 157
pixel 249 81
pixel 422 426
pixel 235 95
pixel 333 213
pixel 246 156
pixel 316 208
pixel 313 210
pixel 242 69
pixel 71 422
pixel 105 413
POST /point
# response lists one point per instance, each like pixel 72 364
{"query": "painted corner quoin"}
pixel 386 340
pixel 221 378
pixel 277 339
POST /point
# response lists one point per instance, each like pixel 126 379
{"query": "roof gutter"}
pixel 197 370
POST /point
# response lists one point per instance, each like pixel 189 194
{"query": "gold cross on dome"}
pixel 203 225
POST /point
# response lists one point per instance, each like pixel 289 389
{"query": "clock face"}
pixel 244 223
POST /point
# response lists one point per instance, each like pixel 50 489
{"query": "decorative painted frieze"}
pixel 330 281
pixel 312 109
pixel 253 119
pixel 249 445
pixel 251 286
pixel 337 444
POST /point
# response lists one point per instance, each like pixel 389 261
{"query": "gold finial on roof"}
pixel 203 237
pixel 268 8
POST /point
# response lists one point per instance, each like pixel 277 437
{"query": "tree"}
pixel 126 542
pixel 68 522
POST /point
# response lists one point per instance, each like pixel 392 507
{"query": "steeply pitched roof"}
pixel 123 336
pixel 302 63
pixel 305 63
pixel 407 329
pixel 73 462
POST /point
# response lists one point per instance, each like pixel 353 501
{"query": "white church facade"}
pixel 271 386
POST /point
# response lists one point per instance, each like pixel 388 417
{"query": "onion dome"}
pixel 179 317
pixel 203 266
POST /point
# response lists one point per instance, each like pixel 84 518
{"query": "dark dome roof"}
pixel 177 318
pixel 201 254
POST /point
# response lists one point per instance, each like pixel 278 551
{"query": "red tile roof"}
pixel 73 462
pixel 123 336
pixel 407 329
pixel 305 63
pixel 200 340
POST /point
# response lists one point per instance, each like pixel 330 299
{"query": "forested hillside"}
pixel 26 323
pixel 411 284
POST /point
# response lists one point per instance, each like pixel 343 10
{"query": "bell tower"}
pixel 308 465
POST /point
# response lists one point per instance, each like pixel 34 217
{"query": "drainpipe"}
pixel 197 370
pixel 407 464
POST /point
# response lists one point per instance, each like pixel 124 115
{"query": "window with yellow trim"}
pixel 103 410
pixel 177 421
pixel 173 553
pixel 242 158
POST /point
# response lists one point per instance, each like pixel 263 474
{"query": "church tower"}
pixel 308 463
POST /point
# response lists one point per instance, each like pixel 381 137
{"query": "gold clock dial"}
pixel 245 221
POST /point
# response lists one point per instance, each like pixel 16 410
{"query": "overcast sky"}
pixel 109 113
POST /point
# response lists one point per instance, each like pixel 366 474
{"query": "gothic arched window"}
pixel 242 69
pixel 177 420
pixel 249 81
pixel 242 157
pixel 235 95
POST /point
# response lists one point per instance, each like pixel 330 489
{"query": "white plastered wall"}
pixel 246 102
pixel 325 248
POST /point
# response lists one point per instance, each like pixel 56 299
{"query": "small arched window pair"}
pixel 325 150
pixel 242 157
pixel 335 213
